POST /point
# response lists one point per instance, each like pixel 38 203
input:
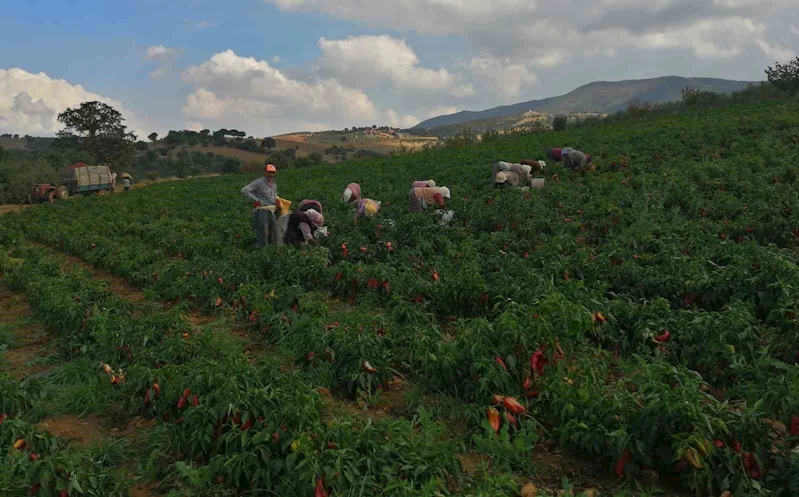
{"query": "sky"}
pixel 269 67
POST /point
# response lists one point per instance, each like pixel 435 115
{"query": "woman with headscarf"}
pixel 367 207
pixel 301 226
pixel 420 199
pixel 352 193
pixel 423 184
pixel 308 204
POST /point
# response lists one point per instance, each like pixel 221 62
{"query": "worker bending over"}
pixel 367 207
pixel 420 199
pixel 352 193
pixel 301 227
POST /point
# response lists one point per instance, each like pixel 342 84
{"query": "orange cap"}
pixel 270 168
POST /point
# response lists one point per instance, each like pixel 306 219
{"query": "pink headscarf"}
pixel 317 219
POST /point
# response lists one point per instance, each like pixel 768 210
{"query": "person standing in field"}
pixel 126 182
pixel 113 185
pixel 263 193
pixel 420 199
pixel 352 193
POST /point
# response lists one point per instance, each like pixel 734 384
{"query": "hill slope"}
pixel 599 96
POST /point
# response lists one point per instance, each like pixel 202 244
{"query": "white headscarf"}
pixel 445 192
pixel 542 164
pixel 347 195
pixel 430 183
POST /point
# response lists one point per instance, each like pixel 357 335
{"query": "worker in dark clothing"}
pixel 301 227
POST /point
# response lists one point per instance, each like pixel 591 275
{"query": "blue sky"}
pixel 275 66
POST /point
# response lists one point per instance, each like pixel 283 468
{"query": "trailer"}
pixel 82 179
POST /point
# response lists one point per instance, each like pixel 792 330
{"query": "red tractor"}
pixel 43 193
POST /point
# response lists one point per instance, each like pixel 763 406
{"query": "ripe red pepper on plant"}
pixel 493 418
pixel 320 491
pixel 499 361
pixel 513 405
pixel 795 426
pixel 626 457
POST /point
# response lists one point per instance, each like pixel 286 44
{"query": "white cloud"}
pixel 230 87
pixel 276 59
pixel 165 57
pixel 159 73
pixel 502 75
pixel 194 126
pixel 30 103
pixel 366 61
pixel 395 121
pixel 160 52
pixel 200 24
pixel 442 111
pixel 776 51
pixel 795 29
pixel 425 16
pixel 546 33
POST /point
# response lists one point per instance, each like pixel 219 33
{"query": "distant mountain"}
pixel 598 97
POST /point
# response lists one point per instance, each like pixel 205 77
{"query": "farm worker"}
pixel 352 193
pixel 126 182
pixel 420 199
pixel 301 226
pixel 113 181
pixel 533 165
pixel 367 207
pixel 263 193
pixel 423 184
pixel 498 167
pixel 556 154
pixel 574 159
pixel 515 175
pixel 310 204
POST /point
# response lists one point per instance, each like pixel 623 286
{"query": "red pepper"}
pixel 719 444
pixel 195 401
pixel 157 389
pixel 179 421
pixel 531 394
pixel 795 426
pixel 736 446
pixel 310 356
pixel 63 493
pixel 344 251
pixel 625 458
pixel 513 405
pixel 33 456
pixel 537 362
pixel 497 399
pixel 663 337
pixel 493 419
pixel 35 488
pixel 499 361
pixel 147 397
pixel 680 466
pixel 186 394
pixel 435 276
pixel 511 420
pixel 528 383
pixel 368 367
pixel 181 403
pixel 320 491
pixel 751 466
pixel 247 425
pixel 331 445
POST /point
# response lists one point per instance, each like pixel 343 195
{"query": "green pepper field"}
pixel 643 318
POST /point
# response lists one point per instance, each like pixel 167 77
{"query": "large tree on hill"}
pixel 268 143
pixel 785 76
pixel 153 136
pixel 101 132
